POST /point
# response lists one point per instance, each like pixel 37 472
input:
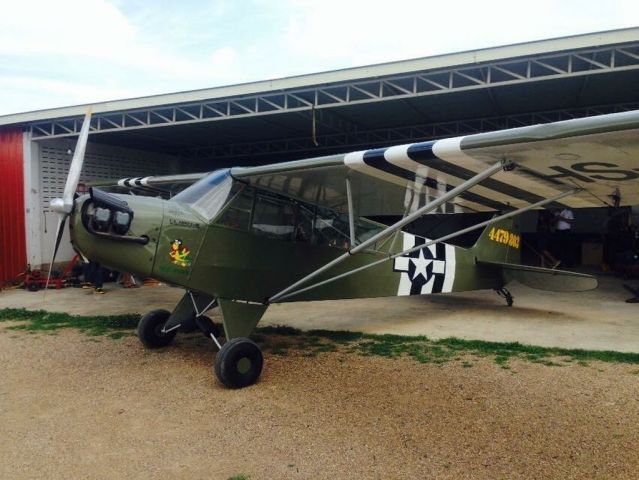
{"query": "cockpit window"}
pixel 208 195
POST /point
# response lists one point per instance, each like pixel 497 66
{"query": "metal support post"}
pixel 351 213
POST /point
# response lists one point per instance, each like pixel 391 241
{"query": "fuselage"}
pixel 257 244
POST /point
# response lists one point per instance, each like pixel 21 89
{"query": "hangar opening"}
pixel 320 114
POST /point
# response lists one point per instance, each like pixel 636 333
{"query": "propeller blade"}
pixel 58 238
pixel 64 205
pixel 76 164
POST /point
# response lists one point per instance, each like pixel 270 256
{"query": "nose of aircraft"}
pixel 119 231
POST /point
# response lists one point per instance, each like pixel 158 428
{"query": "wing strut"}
pixel 461 188
pixel 431 242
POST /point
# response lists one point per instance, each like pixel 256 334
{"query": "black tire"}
pixel 239 363
pixel 150 329
pixel 33 287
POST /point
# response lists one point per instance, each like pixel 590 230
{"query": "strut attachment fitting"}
pixel 507 165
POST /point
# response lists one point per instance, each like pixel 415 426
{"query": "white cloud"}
pixel 81 51
pixel 360 32
pixel 70 27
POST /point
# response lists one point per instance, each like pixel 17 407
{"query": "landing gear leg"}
pixel 505 294
pixel 239 362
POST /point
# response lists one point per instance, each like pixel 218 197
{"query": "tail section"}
pixel 499 242
pixel 499 249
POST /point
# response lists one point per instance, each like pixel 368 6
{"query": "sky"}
pixel 69 52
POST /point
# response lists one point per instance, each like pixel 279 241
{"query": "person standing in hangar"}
pixel 564 220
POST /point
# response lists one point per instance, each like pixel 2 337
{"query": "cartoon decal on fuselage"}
pixel 428 270
pixel 180 254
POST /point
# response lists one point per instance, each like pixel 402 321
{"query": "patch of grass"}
pixel 114 326
pixel 501 360
pixel 238 477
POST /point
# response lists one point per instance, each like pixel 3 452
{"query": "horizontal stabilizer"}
pixel 545 278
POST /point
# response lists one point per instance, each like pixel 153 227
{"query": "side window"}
pixel 280 219
pixel 238 213
pixel 273 218
pixel 366 229
pixel 304 225
pixel 331 229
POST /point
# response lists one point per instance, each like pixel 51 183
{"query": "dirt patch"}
pixel 73 406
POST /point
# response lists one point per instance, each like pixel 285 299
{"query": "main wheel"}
pixel 150 329
pixel 239 363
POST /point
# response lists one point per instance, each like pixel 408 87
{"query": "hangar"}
pixel 304 116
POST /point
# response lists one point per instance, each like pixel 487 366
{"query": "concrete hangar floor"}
pixel 598 320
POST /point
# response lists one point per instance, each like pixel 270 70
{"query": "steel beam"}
pixel 577 63
pixel 396 135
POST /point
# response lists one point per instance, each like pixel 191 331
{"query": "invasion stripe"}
pixel 375 158
pixel 423 153
pixel 398 155
pixel 355 161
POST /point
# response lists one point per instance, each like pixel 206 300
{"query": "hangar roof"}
pixel 389 103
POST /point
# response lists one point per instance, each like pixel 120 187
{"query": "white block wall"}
pixel 46 169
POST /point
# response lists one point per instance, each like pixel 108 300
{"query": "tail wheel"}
pixel 239 363
pixel 150 329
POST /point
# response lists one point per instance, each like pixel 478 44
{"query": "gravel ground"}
pixel 73 406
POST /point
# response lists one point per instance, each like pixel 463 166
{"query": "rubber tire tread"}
pixel 147 329
pixel 225 366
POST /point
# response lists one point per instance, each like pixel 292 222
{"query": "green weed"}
pixel 42 321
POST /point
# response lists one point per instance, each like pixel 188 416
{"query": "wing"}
pixel 599 155
pixel 165 185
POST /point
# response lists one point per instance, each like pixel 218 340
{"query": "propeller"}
pixel 63 206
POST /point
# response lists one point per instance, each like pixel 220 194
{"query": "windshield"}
pixel 208 195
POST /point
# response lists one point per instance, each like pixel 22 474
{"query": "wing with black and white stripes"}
pixel 597 155
pixel 164 185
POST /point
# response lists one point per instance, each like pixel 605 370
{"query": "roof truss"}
pixel 535 68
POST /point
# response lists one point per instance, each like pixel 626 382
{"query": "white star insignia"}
pixel 420 265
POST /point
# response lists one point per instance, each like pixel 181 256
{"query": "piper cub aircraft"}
pixel 242 239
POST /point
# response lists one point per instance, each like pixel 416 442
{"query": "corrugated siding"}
pixel 13 251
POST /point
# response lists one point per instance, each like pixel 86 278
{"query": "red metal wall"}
pixel 13 247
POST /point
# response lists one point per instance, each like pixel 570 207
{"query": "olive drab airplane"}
pixel 241 239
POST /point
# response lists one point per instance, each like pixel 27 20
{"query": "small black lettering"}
pixel 183 223
pixel 610 174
